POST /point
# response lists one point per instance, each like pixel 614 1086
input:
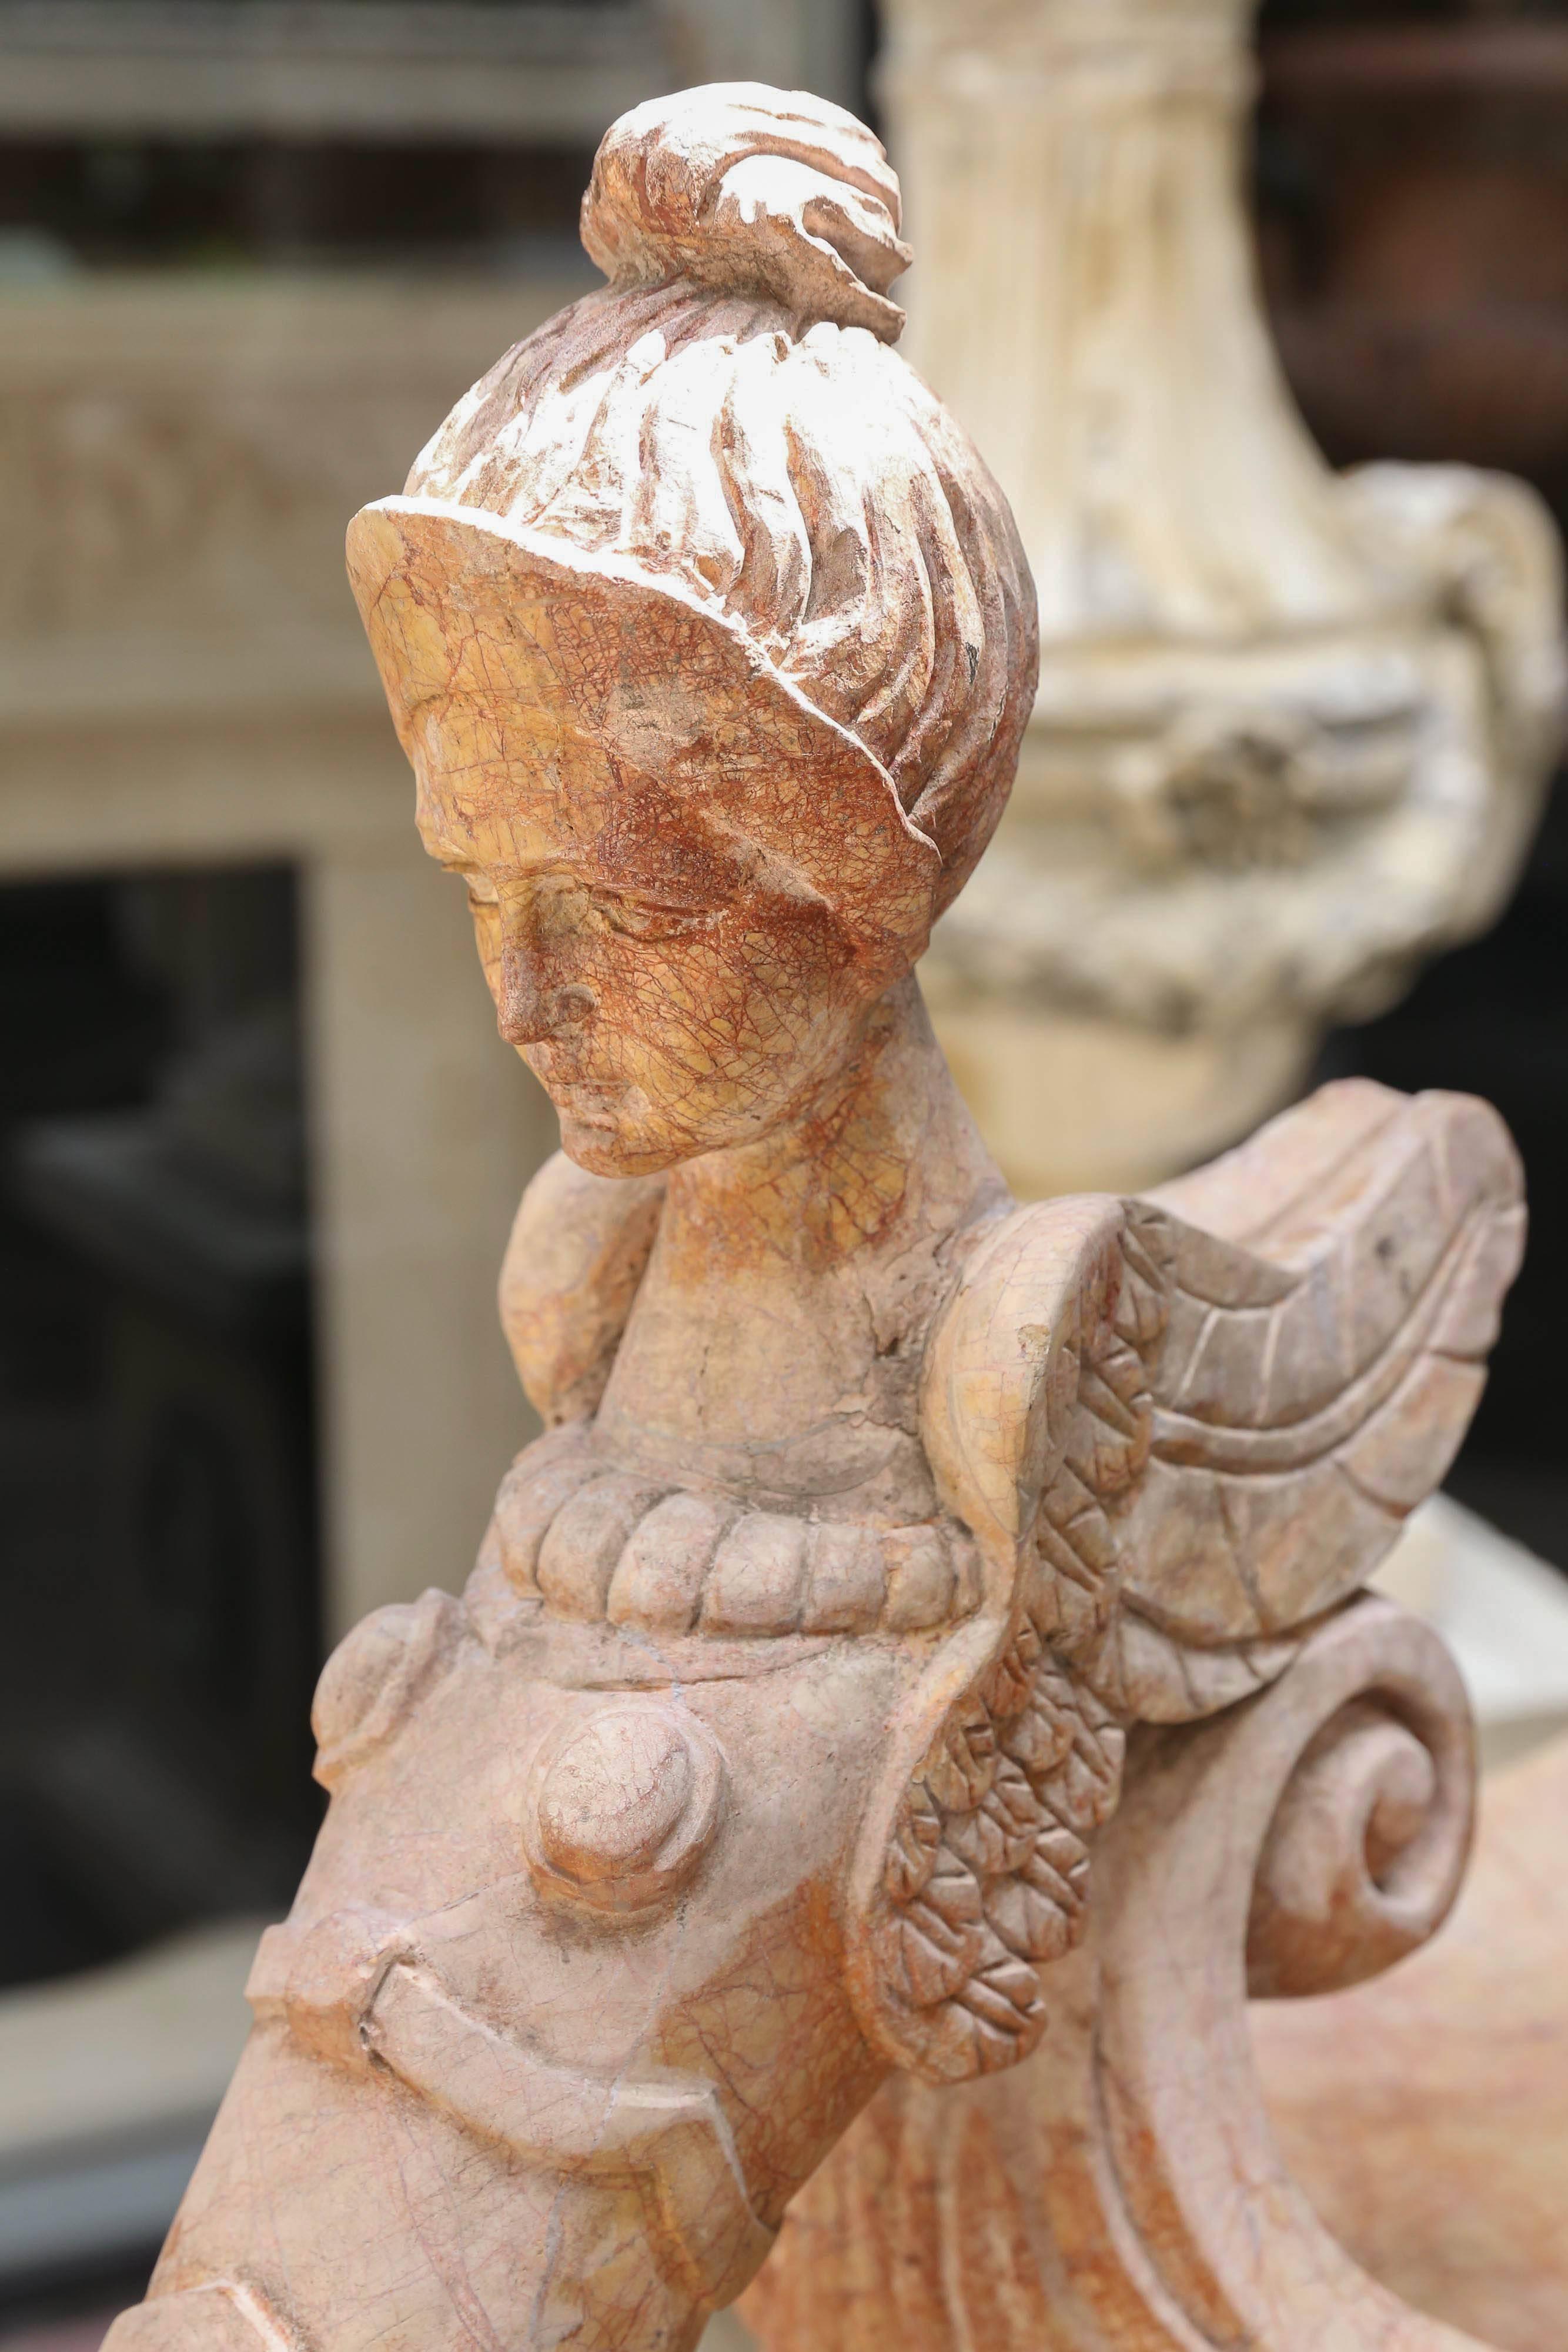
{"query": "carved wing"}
pixel 1333 1290
pixel 1181 1428
pixel 1280 1368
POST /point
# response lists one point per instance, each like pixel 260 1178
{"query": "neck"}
pixel 774 1344
pixel 885 1135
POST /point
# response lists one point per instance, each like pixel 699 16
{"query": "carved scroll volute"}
pixel 1124 2183
pixel 1367 1848
pixel 1310 1838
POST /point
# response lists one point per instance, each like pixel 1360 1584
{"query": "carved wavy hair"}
pixel 729 413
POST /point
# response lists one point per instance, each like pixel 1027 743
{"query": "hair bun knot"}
pixel 751 191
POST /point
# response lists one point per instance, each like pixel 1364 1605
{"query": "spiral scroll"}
pixel 1301 1841
pixel 1367 1848
pixel 1123 2185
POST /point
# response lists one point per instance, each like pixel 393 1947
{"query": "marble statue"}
pixel 929 1631
pixel 1293 726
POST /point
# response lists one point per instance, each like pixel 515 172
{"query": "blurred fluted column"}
pixel 1291 727
pixel 425 1131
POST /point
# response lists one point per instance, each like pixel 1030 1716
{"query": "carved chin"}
pixel 620 1132
pixel 610 1130
pixel 615 1147
pixel 352 2249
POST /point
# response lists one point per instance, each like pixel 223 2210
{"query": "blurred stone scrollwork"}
pixel 1293 726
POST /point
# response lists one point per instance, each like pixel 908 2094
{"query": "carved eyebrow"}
pixel 661 898
pixel 650 894
pixel 455 861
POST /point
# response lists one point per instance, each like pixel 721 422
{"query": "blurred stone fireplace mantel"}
pixel 184 681
pixel 182 676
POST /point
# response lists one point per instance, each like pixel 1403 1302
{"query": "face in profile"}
pixel 674 994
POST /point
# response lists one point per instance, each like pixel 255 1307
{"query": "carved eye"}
pixel 622 1803
pixel 638 918
pixel 374 1673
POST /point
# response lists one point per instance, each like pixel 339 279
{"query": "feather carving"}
pixel 1181 1428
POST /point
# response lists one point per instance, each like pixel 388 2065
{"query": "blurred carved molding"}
pixel 1292 727
pixel 408 69
pixel 179 456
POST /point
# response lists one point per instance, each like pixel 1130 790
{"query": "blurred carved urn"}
pixel 1292 726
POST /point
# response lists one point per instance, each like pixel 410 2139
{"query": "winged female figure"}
pixel 766 1750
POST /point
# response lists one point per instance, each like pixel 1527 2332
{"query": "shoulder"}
pixel 578 1247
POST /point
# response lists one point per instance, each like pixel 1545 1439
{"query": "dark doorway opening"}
pixel 157 1475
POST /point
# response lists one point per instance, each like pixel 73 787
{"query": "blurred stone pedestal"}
pixel 1503 1613
pixel 108 2083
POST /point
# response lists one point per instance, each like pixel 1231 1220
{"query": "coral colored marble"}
pixel 828 1702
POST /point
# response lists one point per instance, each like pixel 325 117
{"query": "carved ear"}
pixel 971 1870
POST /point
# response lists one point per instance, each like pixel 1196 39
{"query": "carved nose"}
pixel 523 1014
pixel 529 1009
pixel 623 1804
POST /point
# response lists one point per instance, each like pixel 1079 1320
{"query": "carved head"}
pixel 709 635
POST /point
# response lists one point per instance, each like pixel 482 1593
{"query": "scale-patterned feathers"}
pixel 1181 1428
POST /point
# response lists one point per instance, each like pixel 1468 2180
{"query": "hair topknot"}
pixel 719 417
pixel 751 191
